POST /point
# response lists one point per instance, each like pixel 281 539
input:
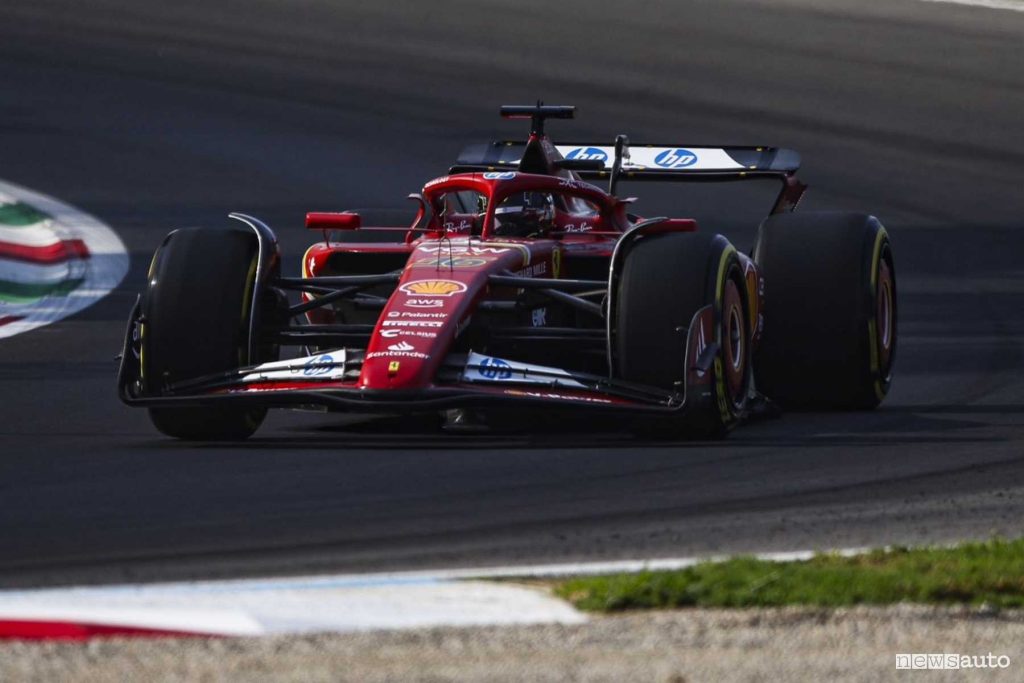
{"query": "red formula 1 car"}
pixel 519 286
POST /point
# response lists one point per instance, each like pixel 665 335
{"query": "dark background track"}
pixel 154 115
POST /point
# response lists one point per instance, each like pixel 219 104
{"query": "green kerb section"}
pixel 989 572
pixel 22 293
pixel 18 215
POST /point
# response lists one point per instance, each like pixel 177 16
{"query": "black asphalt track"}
pixel 154 115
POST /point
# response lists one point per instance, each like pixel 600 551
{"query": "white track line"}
pixel 102 271
pixel 1012 5
pixel 341 602
pixel 239 609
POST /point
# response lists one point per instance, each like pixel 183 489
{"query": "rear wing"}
pixel 673 163
pixel 655 162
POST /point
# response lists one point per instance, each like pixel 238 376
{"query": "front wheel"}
pixel 196 318
pixel 668 283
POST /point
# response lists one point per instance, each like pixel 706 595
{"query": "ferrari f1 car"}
pixel 520 286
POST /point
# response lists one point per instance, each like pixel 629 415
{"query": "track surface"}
pixel 154 115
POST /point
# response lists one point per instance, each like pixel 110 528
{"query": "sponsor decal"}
pixel 412 323
pixel 701 345
pixel 539 317
pixel 588 154
pixel 450 262
pixel 318 365
pixel 499 175
pixel 424 303
pixel 554 396
pixel 534 270
pixel 480 368
pixel 574 184
pixel 401 346
pixel 391 334
pixel 437 181
pixel 416 314
pixel 322 366
pixel 433 287
pixel 461 249
pixel 676 158
pixel 136 339
pixel 393 367
pixel 396 354
pixel 494 368
pixel 582 227
pixel 462 225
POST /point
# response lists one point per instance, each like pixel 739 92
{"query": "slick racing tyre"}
pixel 664 281
pixel 829 337
pixel 196 313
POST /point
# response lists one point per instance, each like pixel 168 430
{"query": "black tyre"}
pixel 197 311
pixel 829 336
pixel 664 281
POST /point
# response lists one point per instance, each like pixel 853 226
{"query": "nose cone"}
pixel 415 331
pixel 421 320
pixel 432 304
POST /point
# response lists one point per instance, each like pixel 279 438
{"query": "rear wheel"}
pixel 196 313
pixel 666 279
pixel 830 310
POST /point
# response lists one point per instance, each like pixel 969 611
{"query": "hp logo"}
pixel 587 154
pixel 495 368
pixel 676 158
pixel 318 365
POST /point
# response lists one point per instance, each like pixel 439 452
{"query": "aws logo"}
pixel 433 287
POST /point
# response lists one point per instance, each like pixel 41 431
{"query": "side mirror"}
pixel 320 220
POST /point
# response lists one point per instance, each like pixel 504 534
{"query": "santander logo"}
pixel 401 346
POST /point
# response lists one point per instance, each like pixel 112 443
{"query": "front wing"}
pixel 330 380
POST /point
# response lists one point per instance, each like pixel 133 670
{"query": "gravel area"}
pixel 792 644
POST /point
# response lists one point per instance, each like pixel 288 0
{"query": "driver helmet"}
pixel 524 214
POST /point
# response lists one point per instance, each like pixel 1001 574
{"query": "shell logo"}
pixel 433 287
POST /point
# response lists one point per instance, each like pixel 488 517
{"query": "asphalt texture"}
pixel 156 115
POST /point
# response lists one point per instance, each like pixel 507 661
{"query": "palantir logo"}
pixel 495 368
pixel 587 154
pixel 318 365
pixel 676 158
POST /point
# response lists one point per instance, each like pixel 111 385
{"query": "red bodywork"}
pixel 448 268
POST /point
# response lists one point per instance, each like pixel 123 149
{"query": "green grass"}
pixel 974 573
